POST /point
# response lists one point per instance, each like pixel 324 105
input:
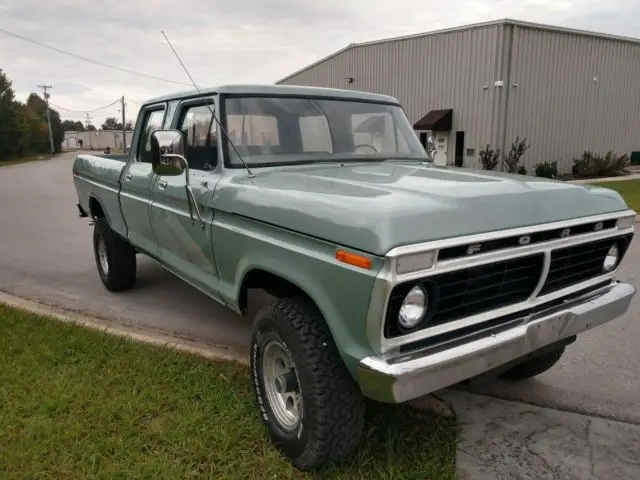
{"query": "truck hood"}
pixel 375 207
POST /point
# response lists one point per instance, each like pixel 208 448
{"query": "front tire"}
pixel 534 366
pixel 115 258
pixel 312 407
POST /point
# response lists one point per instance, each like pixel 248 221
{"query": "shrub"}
pixel 547 169
pixel 512 159
pixel 522 170
pixel 489 158
pixel 600 166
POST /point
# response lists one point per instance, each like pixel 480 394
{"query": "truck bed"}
pixel 98 176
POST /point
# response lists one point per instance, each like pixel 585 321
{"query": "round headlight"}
pixel 413 308
pixel 611 260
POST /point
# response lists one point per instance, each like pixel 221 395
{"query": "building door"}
pixel 459 160
pixel 424 137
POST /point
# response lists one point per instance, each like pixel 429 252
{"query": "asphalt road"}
pixel 46 255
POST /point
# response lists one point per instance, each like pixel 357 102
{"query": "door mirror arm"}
pixel 167 159
pixel 193 205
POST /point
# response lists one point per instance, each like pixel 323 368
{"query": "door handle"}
pixel 128 176
pixel 162 184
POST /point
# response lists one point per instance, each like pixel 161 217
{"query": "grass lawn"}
pixel 77 403
pixel 629 189
pixel 32 158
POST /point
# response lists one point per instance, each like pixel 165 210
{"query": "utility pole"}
pixel 124 129
pixel 46 99
pixel 89 131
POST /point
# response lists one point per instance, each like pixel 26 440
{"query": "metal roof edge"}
pixel 317 62
pixel 572 31
pixel 472 26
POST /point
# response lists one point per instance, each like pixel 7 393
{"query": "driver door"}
pixel 186 247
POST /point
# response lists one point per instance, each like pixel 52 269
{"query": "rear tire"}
pixel 534 366
pixel 115 258
pixel 312 407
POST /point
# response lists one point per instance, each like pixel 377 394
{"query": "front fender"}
pixel 340 291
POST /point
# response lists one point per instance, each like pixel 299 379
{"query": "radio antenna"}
pixel 251 174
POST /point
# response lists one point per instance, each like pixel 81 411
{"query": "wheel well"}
pixel 269 282
pixel 95 209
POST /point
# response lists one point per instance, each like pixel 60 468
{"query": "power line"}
pixel 97 62
pixel 86 111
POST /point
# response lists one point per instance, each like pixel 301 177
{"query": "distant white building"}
pixel 95 140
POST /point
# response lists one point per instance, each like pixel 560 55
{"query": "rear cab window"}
pixel 152 121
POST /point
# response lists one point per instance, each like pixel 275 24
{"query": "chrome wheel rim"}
pixel 102 256
pixel 281 385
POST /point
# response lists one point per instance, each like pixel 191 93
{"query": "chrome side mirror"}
pixel 167 160
pixel 167 153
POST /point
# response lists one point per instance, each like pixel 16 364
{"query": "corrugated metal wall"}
pixel 557 104
pixel 446 70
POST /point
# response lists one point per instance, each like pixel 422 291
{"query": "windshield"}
pixel 286 130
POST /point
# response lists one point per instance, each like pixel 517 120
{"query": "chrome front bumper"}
pixel 412 375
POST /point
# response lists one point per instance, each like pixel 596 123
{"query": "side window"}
pixel 201 145
pixel 152 122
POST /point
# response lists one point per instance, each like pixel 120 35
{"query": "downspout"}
pixel 508 56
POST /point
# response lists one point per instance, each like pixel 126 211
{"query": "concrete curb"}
pixel 132 333
pixel 622 178
pixel 430 403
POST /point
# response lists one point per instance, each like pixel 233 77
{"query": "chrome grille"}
pixel 572 265
pixel 470 291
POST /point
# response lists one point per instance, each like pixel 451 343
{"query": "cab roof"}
pixel 275 90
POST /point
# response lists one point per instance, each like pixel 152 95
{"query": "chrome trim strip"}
pixel 97 184
pixel 513 232
pixel 387 277
pixel 506 254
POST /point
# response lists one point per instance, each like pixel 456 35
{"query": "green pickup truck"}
pixel 391 277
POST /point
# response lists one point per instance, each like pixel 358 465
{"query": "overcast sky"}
pixel 241 41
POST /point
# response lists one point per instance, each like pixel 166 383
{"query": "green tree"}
pixel 111 123
pixel 12 129
pixel 72 126
pixel 39 106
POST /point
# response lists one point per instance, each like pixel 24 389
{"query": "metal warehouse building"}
pixel 565 90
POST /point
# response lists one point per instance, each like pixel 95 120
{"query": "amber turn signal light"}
pixel 353 259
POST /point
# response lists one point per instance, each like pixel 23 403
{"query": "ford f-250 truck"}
pixel 392 277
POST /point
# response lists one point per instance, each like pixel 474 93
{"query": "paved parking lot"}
pixel 46 255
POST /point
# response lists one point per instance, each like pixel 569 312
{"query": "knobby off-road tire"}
pixel 329 423
pixel 115 258
pixel 534 366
